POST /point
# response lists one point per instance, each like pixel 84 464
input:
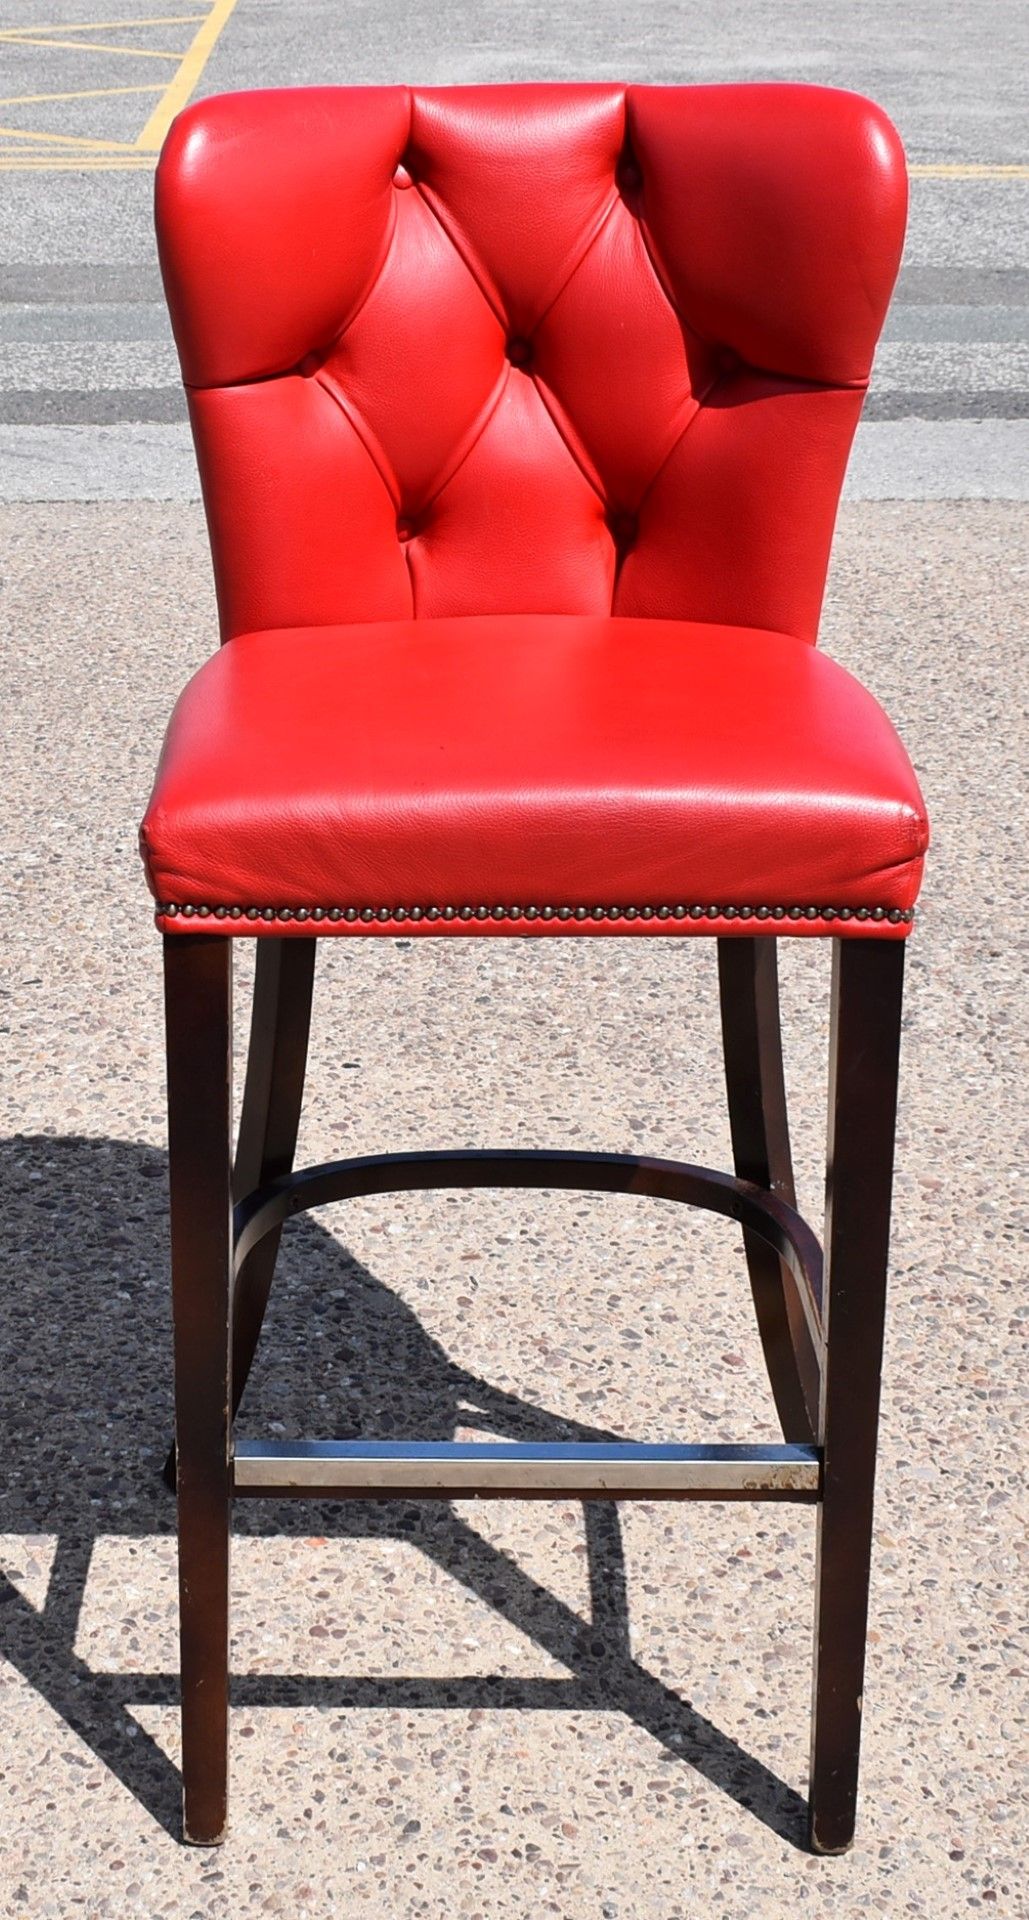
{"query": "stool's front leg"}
pixel 198 1010
pixel 867 988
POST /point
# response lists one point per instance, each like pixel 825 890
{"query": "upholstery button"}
pixel 310 364
pixel 402 177
pixel 624 527
pixel 405 529
pixel 728 361
pixel 628 175
pixel 519 352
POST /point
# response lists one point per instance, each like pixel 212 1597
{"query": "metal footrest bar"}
pixel 506 1470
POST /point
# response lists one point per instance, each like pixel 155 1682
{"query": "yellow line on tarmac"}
pixel 88 93
pixel 152 136
pixel 127 163
pixel 42 138
pixel 19 39
pixel 968 171
pixel 97 26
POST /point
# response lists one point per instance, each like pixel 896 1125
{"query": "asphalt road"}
pixel 84 341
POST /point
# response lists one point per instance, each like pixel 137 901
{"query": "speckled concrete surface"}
pixel 499 1710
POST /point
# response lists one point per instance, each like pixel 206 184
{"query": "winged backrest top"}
pixel 563 349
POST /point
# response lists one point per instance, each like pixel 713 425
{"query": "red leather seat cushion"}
pixel 654 775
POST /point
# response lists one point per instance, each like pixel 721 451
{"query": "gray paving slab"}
pixel 500 1711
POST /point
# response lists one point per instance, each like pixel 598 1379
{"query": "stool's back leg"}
pixel 867 990
pixel 273 1094
pixel 198 1009
pixel 748 984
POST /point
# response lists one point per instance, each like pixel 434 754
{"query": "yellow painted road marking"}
pixel 87 93
pixel 130 164
pixel 969 171
pixel 152 136
pixel 42 138
pixel 97 26
pixel 45 152
pixel 19 39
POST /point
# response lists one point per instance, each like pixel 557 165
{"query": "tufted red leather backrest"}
pixel 562 349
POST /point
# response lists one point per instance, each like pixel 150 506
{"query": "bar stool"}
pixel 521 415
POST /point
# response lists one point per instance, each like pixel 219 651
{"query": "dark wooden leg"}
pixel 748 983
pixel 273 1092
pixel 198 1009
pixel 867 989
pixel 272 1098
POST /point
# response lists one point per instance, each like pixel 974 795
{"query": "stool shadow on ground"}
pixel 85 1413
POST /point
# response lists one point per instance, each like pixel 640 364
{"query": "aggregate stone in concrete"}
pixel 505 1710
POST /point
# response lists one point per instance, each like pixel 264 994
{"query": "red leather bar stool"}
pixel 521 415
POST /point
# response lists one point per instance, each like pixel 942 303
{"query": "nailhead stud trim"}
pixel 173 909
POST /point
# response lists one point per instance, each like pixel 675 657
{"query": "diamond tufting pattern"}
pixel 582 350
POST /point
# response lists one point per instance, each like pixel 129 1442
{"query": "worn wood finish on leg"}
pixel 865 1045
pixel 198 1007
pixel 748 983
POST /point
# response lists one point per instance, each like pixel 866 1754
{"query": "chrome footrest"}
pixel 502 1469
